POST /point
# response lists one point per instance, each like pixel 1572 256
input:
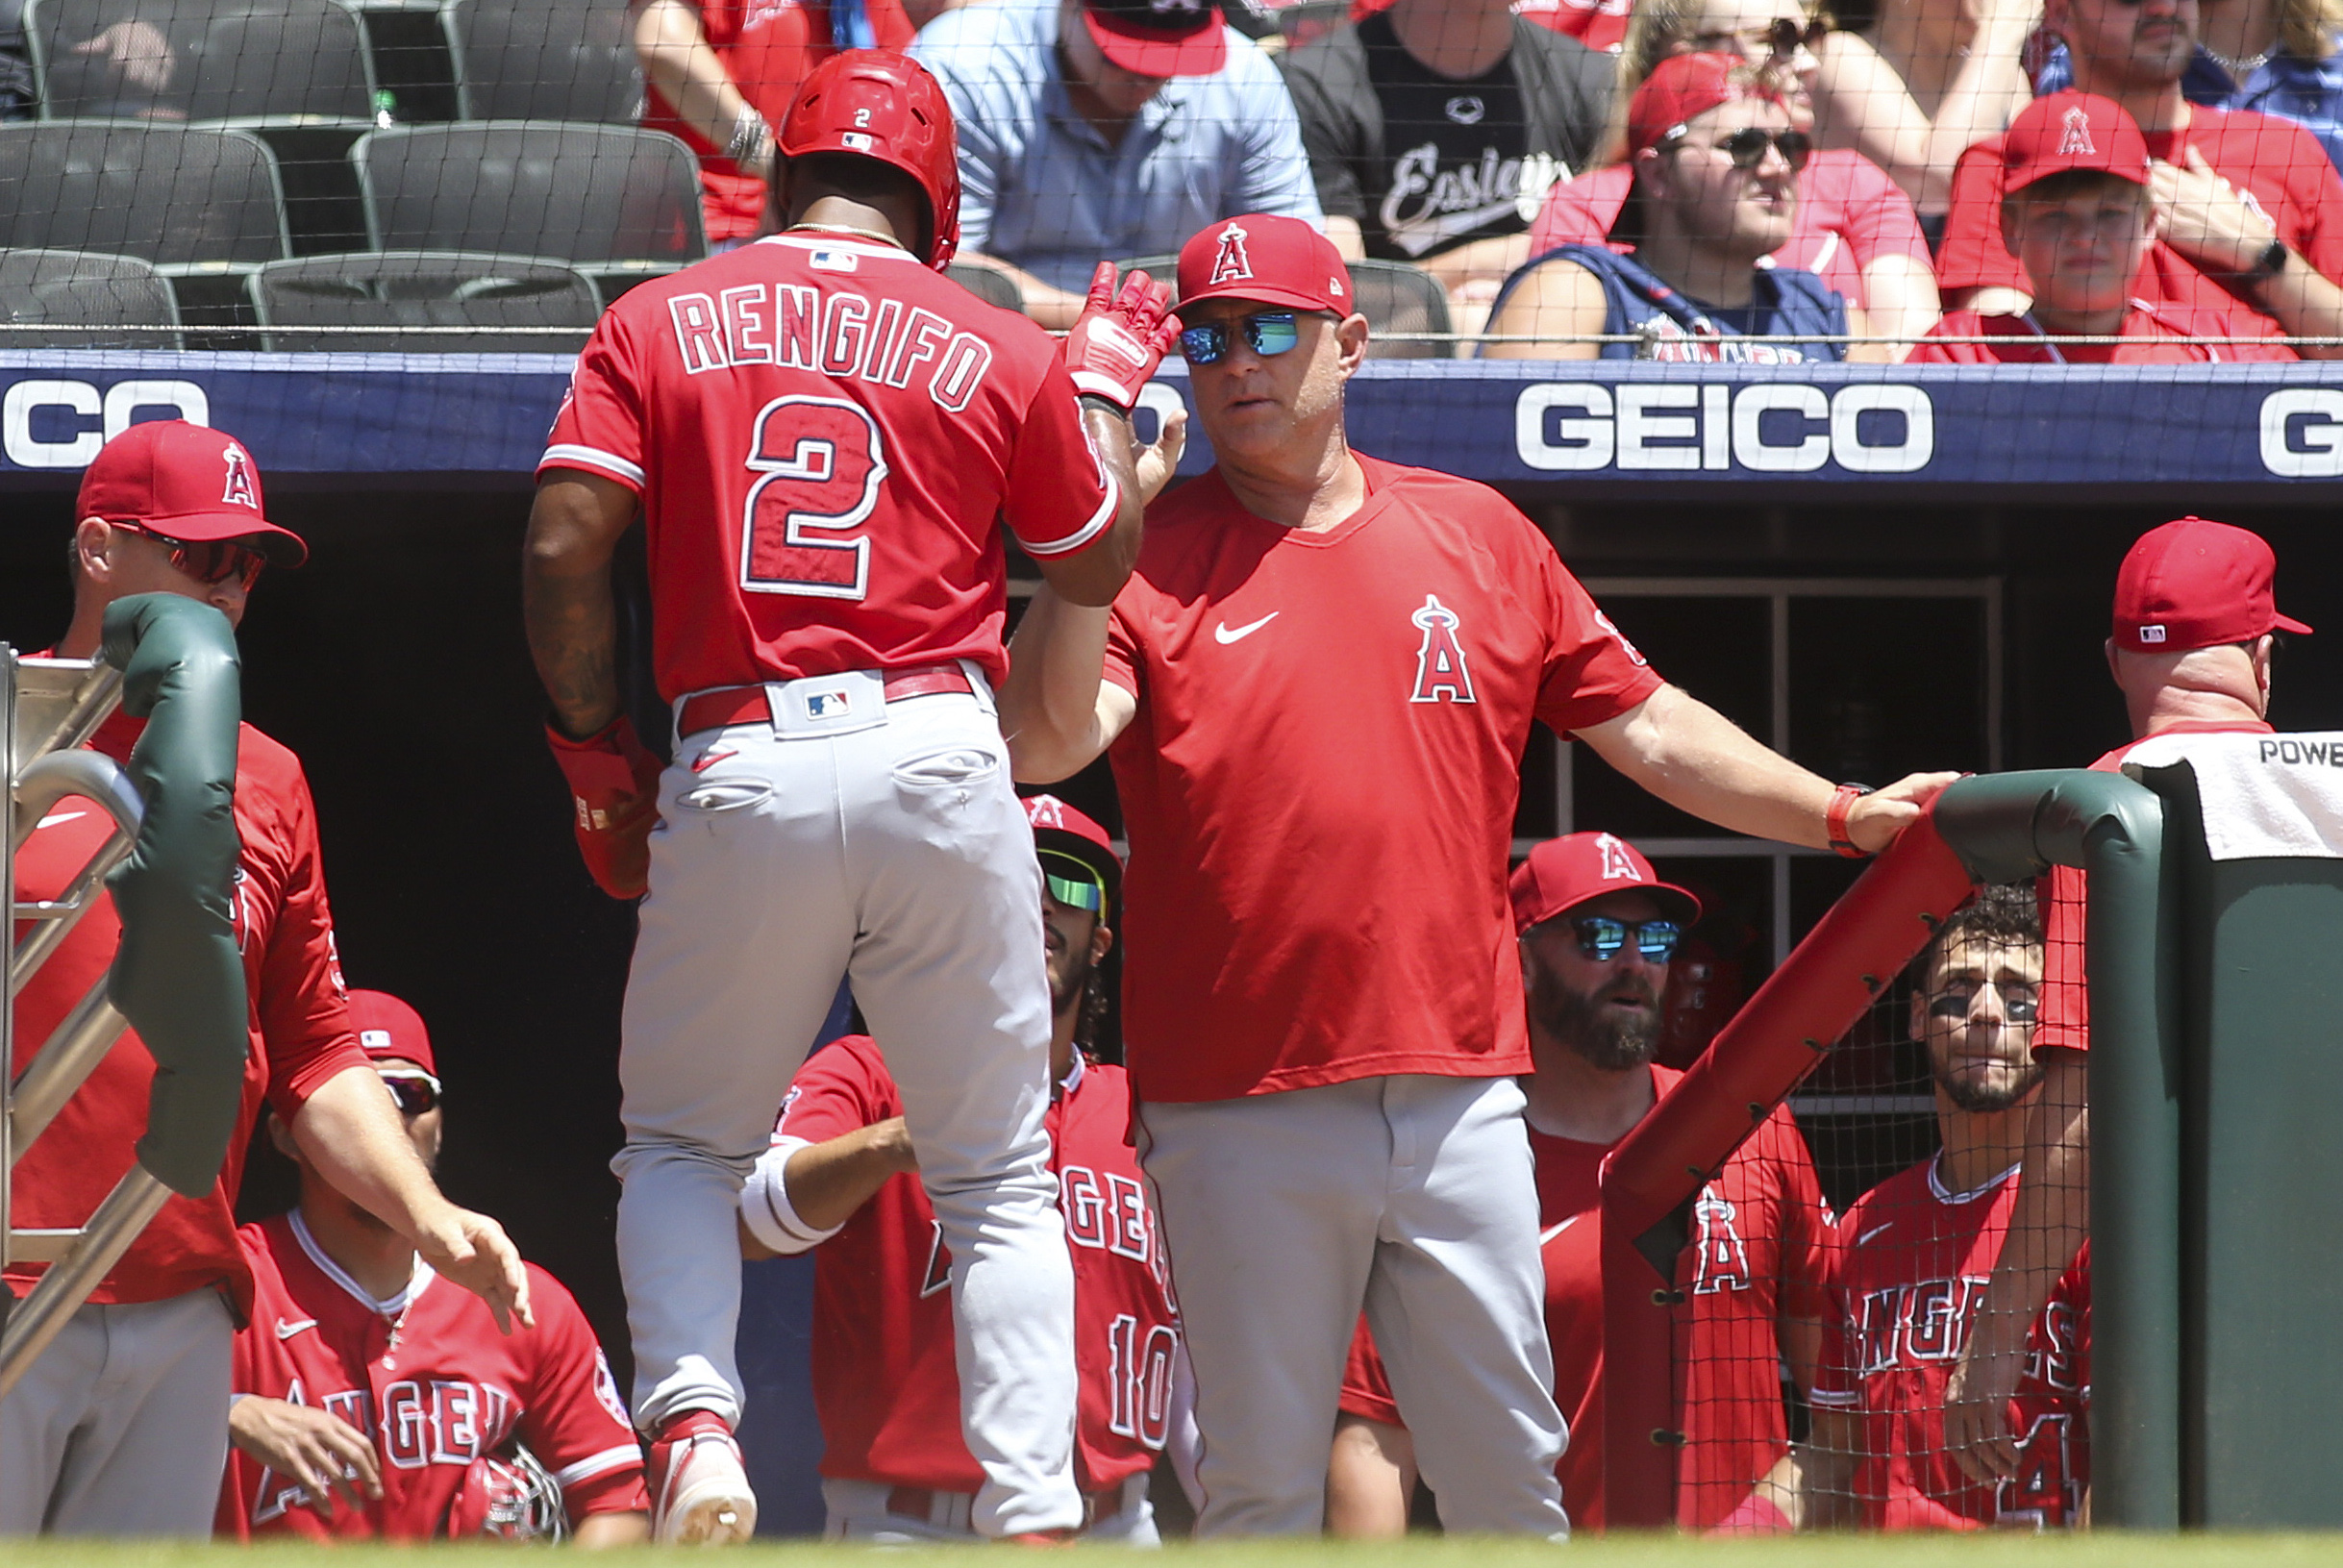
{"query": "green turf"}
pixel 2104 1550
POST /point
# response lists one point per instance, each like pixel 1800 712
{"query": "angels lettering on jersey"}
pixel 422 1422
pixel 1668 341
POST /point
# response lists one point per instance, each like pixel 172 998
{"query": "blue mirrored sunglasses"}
pixel 1600 937
pixel 1267 331
pixel 1071 882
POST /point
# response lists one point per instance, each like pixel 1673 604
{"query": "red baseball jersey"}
pixel 885 1379
pixel 1912 1266
pixel 827 436
pixel 429 1379
pixel 767 48
pixel 2153 334
pixel 2275 162
pixel 1320 781
pixel 1758 1254
pixel 2062 1015
pixel 300 1022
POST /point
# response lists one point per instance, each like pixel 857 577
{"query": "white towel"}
pixel 2266 797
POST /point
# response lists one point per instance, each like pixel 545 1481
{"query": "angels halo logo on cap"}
pixel 1231 264
pixel 2074 134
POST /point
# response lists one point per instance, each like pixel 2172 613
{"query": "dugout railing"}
pixel 176 974
pixel 1992 829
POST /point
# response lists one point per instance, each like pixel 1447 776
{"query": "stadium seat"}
pixel 83 300
pixel 177 197
pixel 219 61
pixel 544 60
pixel 598 196
pixel 301 303
pixel 1394 296
pixel 989 283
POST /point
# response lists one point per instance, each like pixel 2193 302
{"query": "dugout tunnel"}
pixel 1935 625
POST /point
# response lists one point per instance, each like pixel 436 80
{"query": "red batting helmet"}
pixel 876 103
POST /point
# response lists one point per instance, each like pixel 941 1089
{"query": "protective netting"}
pixel 487 174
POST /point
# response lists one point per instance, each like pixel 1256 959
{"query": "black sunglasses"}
pixel 415 1093
pixel 210 561
pixel 1955 1001
pixel 1782 36
pixel 1267 333
pixel 1746 147
pixel 1600 937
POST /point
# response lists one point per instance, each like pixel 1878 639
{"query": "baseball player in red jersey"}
pixel 1317 690
pixel 121 1426
pixel 825 436
pixel 1598 931
pixel 841 1177
pixel 2196 615
pixel 1914 1253
pixel 374 1401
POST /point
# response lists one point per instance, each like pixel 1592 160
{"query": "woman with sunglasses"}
pixel 1854 227
pixel 1715 163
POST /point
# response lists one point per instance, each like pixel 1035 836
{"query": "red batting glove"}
pixel 1116 343
pixel 614 783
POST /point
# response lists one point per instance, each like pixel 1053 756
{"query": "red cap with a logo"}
pixel 1158 37
pixel 1684 87
pixel 1060 829
pixel 1562 874
pixel 1277 261
pixel 2072 131
pixel 388 1029
pixel 185 481
pixel 2194 583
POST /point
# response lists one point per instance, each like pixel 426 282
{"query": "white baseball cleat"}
pixel 700 1493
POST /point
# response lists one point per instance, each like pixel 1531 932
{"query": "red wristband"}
pixel 1834 819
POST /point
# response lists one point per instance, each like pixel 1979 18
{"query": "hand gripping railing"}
pixel 176 976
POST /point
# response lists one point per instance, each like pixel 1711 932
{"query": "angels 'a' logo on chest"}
pixel 1441 673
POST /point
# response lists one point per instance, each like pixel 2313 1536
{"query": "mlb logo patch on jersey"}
pixel 836 703
pixel 829 260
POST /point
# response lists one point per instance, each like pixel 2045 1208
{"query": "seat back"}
pixel 989 283
pixel 74 297
pixel 314 302
pixel 170 195
pixel 199 60
pixel 1394 296
pixel 544 60
pixel 581 193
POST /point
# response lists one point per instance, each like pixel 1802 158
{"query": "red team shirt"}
pixel 2155 333
pixel 1760 1253
pixel 433 1383
pixel 1320 781
pixel 1913 1265
pixel 827 436
pixel 886 1381
pixel 299 1021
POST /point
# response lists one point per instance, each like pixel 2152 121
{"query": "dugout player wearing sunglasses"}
pixel 373 1403
pixel 173 508
pixel 1316 689
pixel 1598 931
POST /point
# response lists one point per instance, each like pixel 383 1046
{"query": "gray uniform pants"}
pixel 1411 1195
pixel 121 1427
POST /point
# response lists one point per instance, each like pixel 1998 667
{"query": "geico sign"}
pixel 2301 433
pixel 68 441
pixel 1769 428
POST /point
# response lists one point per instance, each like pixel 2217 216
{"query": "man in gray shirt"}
pixel 1099 129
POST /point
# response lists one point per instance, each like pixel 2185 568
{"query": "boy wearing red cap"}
pixel 2078 213
pixel 1316 690
pixel 373 1402
pixel 1716 191
pixel 2195 619
pixel 173 508
pixel 1598 931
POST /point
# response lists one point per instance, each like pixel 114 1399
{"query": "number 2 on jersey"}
pixel 821 464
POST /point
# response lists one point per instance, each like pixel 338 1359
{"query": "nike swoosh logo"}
pixel 285 1331
pixel 53 820
pixel 1878 1229
pixel 1544 1237
pixel 709 759
pixel 1224 636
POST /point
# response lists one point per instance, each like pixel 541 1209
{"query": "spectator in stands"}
pixel 17 100
pixel 1854 228
pixel 2079 218
pixel 2247 205
pixel 1435 128
pixel 1096 130
pixel 1715 192
pixel 1959 65
pixel 523 1435
pixel 2278 56
pixel 1598 930
pixel 1913 1249
pixel 720 74
pixel 2195 631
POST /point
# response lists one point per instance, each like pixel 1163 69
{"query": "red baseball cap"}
pixel 1562 874
pixel 1158 37
pixel 1277 261
pixel 185 482
pixel 1062 833
pixel 2193 584
pixel 388 1029
pixel 2072 131
pixel 1685 85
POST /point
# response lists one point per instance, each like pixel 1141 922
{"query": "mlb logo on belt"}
pixel 835 703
